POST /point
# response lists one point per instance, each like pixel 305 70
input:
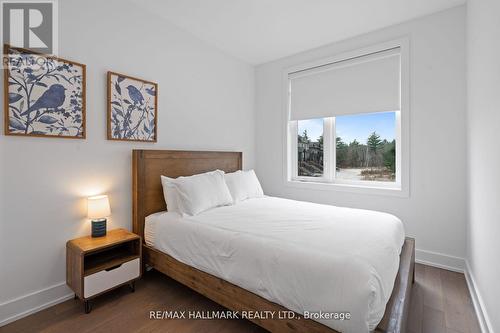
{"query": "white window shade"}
pixel 363 84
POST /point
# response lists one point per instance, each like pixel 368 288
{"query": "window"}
pixel 366 147
pixel 344 122
pixel 310 162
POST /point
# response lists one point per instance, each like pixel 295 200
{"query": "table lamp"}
pixel 98 210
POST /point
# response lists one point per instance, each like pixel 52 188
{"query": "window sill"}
pixel 387 190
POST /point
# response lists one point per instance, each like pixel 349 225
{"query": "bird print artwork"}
pixel 135 94
pixel 45 95
pixel 132 108
pixel 51 98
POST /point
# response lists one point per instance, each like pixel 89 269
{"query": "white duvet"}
pixel 303 256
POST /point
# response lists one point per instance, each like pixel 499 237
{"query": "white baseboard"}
pixel 477 300
pixel 23 306
pixel 440 260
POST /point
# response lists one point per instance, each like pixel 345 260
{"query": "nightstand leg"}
pixel 132 286
pixel 88 306
pixel 76 297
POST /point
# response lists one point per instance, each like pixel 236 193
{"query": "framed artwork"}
pixel 132 108
pixel 44 96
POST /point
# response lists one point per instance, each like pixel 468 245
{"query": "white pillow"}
pixel 198 193
pixel 170 194
pixel 243 185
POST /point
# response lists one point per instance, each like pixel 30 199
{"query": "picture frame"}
pixel 44 96
pixel 132 113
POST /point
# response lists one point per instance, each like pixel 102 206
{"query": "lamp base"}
pixel 99 228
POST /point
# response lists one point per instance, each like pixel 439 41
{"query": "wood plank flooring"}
pixel 440 303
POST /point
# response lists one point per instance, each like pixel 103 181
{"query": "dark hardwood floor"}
pixel 440 303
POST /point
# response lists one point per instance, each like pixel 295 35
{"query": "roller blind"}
pixel 363 84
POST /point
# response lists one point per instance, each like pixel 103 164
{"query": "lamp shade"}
pixel 98 207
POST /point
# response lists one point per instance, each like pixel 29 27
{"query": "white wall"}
pixel 205 102
pixel 435 212
pixel 483 85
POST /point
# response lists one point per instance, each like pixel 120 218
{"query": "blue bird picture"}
pixel 46 95
pixel 135 94
pixel 51 98
pixel 132 108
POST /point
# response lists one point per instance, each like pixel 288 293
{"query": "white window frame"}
pixel 328 182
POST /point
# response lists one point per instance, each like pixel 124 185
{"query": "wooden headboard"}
pixel 149 165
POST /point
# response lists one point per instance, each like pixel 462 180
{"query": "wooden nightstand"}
pixel 97 265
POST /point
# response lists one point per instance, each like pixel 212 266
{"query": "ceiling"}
pixel 258 31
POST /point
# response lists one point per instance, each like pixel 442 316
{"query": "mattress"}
pixel 309 258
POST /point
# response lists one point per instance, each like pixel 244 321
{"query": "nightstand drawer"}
pixel 98 282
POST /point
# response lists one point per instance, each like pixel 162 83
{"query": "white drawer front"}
pixel 103 280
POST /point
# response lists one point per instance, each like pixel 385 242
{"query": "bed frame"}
pixel 148 198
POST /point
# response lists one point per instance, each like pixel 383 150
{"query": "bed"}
pixel 194 243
